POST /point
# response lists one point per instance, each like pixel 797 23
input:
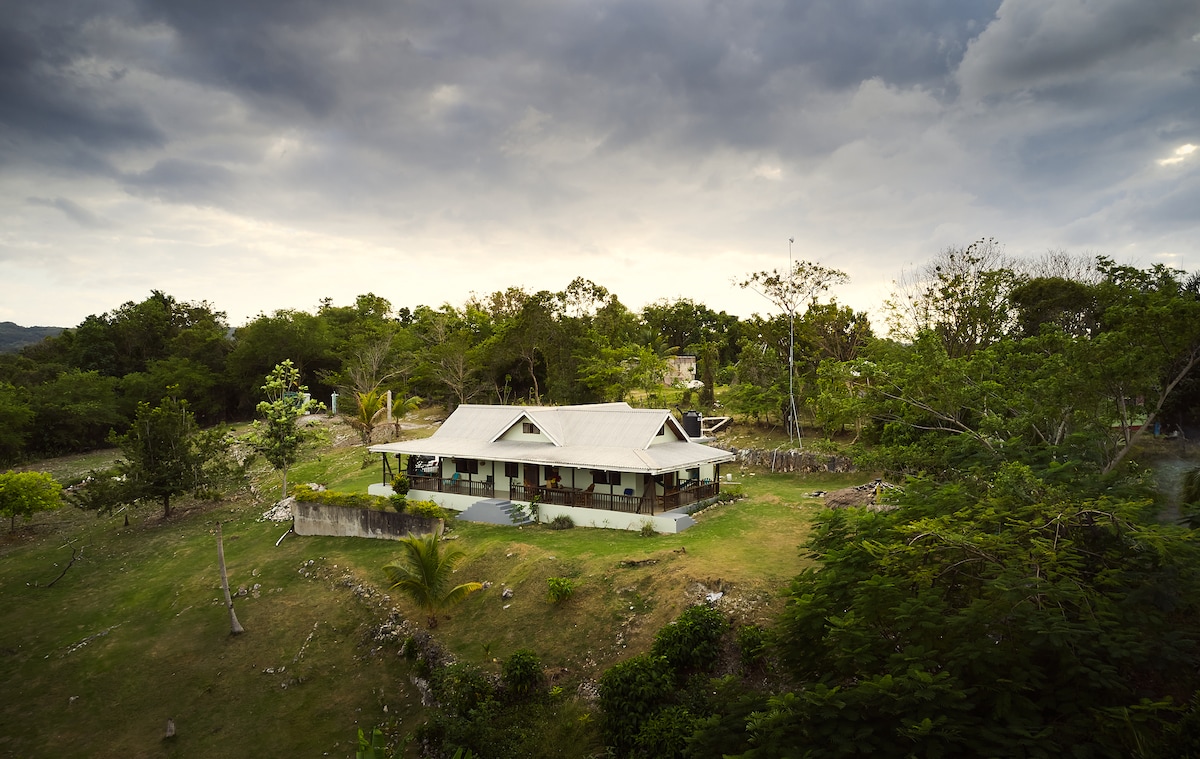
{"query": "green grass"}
pixel 146 598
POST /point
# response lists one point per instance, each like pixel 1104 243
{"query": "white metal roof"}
pixel 612 436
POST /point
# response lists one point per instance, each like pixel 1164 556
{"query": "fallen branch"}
pixel 75 555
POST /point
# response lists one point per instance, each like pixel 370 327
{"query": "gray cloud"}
pixel 72 211
pixel 656 147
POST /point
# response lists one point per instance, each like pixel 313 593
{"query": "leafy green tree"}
pixel 424 573
pixel 76 411
pixel 278 436
pixel 16 420
pixel 265 342
pixel 998 617
pixel 961 296
pixel 613 372
pixel 165 454
pixel 23 494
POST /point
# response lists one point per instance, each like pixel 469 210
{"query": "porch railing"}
pixel 450 485
pixel 630 504
pixel 580 498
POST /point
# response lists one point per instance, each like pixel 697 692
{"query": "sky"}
pixel 268 154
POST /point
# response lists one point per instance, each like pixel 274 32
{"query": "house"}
pixel 680 370
pixel 604 465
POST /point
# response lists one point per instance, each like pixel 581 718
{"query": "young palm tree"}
pixel 371 407
pixel 423 573
pixel 401 407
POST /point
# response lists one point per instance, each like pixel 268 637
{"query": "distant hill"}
pixel 13 337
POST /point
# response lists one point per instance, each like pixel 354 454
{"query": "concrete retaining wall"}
pixel 319 519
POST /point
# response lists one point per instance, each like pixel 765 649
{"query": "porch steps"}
pixel 495 511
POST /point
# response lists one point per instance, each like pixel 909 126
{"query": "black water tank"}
pixel 691 423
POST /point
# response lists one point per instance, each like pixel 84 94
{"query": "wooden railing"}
pixel 459 486
pixel 690 494
pixel 630 504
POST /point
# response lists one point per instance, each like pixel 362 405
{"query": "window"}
pixel 466 466
pixel 512 469
pixel 602 477
pixel 529 428
pixel 662 430
pixel 693 473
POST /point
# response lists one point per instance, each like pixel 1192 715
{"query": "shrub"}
pixel 648 530
pixel 427 509
pixel 398 502
pixel 561 588
pixel 561 522
pixel 752 644
pixel 461 687
pixel 400 484
pixel 666 734
pixel 692 642
pixel 333 498
pixel 630 693
pixel 730 493
pixel 522 674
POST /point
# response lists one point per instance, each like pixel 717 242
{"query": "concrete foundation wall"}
pixel 318 519
pixel 668 523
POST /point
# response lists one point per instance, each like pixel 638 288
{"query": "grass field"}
pixel 135 633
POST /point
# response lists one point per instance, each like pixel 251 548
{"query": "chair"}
pixel 628 491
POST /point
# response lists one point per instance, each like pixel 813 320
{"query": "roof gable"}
pixel 519 432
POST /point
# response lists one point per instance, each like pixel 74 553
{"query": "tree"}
pixel 961 296
pixel 996 616
pixel 16 419
pixel 370 408
pixel 76 411
pixel 425 572
pixel 278 436
pixel 165 454
pixel 789 290
pixel 23 494
pixel 235 627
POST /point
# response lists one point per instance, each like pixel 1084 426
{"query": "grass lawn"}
pixel 135 632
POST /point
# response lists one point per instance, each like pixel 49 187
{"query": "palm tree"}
pixel 371 406
pixel 423 573
pixel 401 407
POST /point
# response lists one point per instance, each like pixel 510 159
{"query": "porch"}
pixel 685 494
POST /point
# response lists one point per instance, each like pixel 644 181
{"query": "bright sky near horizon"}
pixel 268 154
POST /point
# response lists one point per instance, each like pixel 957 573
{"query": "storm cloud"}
pixel 266 155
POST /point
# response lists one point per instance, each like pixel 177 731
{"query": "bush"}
pixel 332 498
pixel 631 692
pixel 522 674
pixel 730 493
pixel 561 522
pixel 461 687
pixel 692 642
pixel 400 484
pixel 752 644
pixel 427 509
pixel 398 502
pixel 648 530
pixel 561 588
pixel 666 734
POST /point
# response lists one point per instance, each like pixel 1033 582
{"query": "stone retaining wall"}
pixel 792 460
pixel 340 521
